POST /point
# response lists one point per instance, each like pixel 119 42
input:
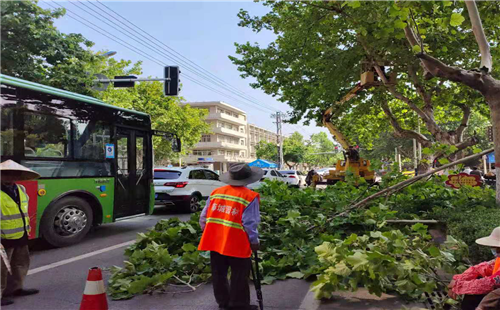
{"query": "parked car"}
pixel 270 174
pixel 294 177
pixel 184 187
pixel 324 171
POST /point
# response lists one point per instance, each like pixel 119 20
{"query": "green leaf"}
pixel 357 260
pixel 426 151
pixel 400 24
pixel 354 4
pixel 447 3
pixel 456 19
pixel 476 150
pixel 341 269
pixel 416 49
pixel 295 275
pixel 434 251
pixel 443 161
pixel 189 247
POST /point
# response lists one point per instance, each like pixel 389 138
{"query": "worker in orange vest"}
pixel 229 222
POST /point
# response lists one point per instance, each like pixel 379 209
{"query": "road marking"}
pixel 77 258
pixel 309 302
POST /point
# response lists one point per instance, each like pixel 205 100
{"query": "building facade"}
pixel 257 134
pixel 232 139
pixel 228 142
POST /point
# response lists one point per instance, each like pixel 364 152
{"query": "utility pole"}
pixel 279 134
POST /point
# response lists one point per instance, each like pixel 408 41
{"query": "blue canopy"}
pixel 491 158
pixel 261 163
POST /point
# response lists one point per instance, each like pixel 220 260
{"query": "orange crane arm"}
pixel 337 135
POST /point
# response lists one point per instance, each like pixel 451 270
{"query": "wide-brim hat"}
pixel 11 170
pixel 493 240
pixel 241 175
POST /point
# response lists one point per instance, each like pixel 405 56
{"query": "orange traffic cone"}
pixel 94 296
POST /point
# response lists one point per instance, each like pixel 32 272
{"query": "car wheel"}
pixel 66 222
pixel 193 205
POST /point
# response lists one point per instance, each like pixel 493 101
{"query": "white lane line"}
pixel 79 257
pixel 309 302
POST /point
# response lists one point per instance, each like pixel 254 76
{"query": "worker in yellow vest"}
pixel 229 222
pixel 14 225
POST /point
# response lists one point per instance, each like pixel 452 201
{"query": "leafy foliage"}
pixel 166 254
pixel 392 261
pixel 33 49
pixel 302 238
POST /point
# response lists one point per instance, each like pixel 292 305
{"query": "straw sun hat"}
pixel 11 171
pixel 241 175
pixel 493 240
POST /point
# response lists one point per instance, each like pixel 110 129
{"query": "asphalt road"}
pixel 60 275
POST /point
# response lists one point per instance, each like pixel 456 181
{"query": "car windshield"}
pixel 166 174
pixel 265 172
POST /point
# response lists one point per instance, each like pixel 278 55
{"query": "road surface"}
pixel 60 275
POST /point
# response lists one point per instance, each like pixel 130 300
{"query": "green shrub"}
pixel 469 224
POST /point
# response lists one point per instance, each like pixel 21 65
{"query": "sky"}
pixel 200 34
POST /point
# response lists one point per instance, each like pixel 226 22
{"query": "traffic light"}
pixel 172 85
pixel 124 84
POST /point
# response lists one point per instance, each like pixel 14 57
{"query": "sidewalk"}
pixel 288 295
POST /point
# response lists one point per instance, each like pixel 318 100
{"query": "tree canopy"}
pixel 322 47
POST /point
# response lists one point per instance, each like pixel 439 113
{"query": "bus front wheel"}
pixel 66 222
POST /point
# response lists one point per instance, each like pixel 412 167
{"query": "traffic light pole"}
pixel 130 80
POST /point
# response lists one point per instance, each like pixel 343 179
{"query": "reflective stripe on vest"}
pixel 224 232
pixel 12 224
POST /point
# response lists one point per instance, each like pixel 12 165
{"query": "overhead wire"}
pixel 179 55
pixel 141 41
pixel 169 55
pixel 153 58
pixel 138 51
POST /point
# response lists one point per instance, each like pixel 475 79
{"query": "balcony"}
pixel 223 116
pixel 219 145
pixel 229 132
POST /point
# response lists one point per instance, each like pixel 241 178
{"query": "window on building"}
pixel 220 152
pixel 205 138
pixel 242 141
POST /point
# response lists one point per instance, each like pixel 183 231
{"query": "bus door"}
pixel 133 173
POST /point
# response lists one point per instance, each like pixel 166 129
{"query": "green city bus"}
pixel 95 159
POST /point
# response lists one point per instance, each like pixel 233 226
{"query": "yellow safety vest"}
pixel 12 224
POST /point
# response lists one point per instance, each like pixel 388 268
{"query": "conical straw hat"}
pixel 493 240
pixel 12 171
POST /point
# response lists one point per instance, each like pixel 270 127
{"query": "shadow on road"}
pixel 129 226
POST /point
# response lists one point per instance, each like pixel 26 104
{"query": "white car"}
pixel 269 174
pixel 184 187
pixel 324 171
pixel 294 177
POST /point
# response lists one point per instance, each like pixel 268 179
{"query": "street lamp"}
pixel 108 54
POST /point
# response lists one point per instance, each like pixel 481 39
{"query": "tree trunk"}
pixel 494 103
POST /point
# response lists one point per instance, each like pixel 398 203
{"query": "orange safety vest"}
pixel 224 232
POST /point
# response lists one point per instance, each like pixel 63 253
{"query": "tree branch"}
pixel 400 131
pixel 482 42
pixel 410 181
pixel 426 97
pixel 465 122
pixel 437 68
